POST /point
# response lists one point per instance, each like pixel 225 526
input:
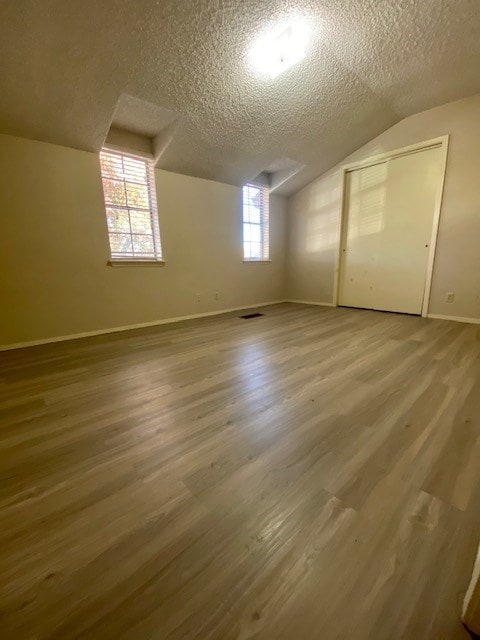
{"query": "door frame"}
pixel 442 143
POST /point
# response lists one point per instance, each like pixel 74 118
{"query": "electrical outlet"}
pixel 198 297
pixel 215 295
pixel 450 296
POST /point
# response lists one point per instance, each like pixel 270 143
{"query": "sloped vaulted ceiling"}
pixel 64 64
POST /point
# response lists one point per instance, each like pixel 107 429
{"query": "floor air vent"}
pixel 251 315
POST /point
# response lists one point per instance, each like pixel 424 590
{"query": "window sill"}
pixel 136 263
pixel 257 261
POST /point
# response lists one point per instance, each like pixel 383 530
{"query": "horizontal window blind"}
pixel 256 229
pixel 130 206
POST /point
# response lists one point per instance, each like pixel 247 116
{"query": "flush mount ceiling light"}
pixel 280 48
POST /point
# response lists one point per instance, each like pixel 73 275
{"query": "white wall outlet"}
pixel 216 295
pixel 197 297
pixel 449 296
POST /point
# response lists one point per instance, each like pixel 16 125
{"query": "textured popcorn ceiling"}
pixel 65 64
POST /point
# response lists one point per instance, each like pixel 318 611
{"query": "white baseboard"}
pixel 429 315
pixel 318 304
pixel 436 316
pixel 141 325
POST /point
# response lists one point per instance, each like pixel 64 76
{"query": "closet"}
pixel 389 211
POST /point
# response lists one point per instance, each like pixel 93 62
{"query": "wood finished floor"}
pixel 310 474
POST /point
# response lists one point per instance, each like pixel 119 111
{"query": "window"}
pixel 255 223
pixel 130 206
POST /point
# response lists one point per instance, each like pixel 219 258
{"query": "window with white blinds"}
pixel 256 236
pixel 130 206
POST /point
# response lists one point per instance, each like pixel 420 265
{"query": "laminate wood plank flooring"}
pixel 311 474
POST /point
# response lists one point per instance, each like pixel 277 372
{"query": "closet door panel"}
pixel 365 193
pixel 402 253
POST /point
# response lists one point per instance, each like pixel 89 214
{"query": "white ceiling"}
pixel 65 64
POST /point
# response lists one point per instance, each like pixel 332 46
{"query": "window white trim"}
pixel 116 148
pixel 129 192
pixel 130 262
pixel 255 219
pixel 254 261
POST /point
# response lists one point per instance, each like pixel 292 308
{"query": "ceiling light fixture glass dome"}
pixel 280 48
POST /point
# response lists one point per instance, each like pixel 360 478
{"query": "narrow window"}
pixel 130 206
pixel 256 238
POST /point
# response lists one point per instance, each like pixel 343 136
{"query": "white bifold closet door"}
pixel 389 211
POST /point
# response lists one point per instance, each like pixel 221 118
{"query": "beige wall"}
pixel 314 213
pixel 54 247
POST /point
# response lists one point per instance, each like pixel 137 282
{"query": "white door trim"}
pixel 441 142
